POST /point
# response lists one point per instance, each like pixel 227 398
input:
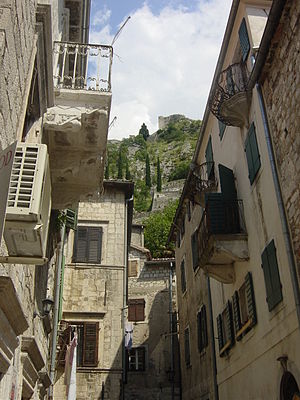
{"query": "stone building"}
pixel 235 251
pixel 53 132
pixel 152 357
pixel 94 293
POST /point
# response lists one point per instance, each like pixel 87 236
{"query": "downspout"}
pixel 60 250
pixel 212 339
pixel 171 329
pixel 282 212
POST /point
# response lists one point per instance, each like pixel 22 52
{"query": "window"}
pixel 271 275
pixel 187 347
pixel 244 40
pixel 189 210
pixel 132 268
pixel 183 280
pixel 202 329
pixel 252 153
pixel 222 128
pixel 87 245
pixel 136 310
pixel 225 330
pixel 209 159
pixel 136 359
pixel 244 310
pixel 195 253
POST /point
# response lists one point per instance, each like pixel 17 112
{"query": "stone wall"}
pixel 281 88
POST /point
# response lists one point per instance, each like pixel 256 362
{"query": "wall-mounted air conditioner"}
pixel 29 202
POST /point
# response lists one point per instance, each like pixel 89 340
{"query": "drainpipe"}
pixel 124 374
pixel 282 212
pixel 171 329
pixel 60 250
pixel 212 338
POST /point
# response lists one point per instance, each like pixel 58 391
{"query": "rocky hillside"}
pixel 173 146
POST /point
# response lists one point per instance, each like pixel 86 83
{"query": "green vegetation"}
pixel 148 172
pixel 120 164
pixel 144 131
pixel 158 176
pixel 157 228
pixel 180 171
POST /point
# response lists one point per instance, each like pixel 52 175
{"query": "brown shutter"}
pixel 140 310
pixel 136 310
pixel 90 344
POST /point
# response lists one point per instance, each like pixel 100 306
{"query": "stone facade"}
pixel 281 88
pixel 93 292
pixel 253 309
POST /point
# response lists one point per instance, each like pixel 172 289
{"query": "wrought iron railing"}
pixel 231 81
pixel 204 176
pixel 82 66
pixel 220 217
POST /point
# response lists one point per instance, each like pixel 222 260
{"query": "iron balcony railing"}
pixel 83 66
pixel 203 181
pixel 220 217
pixel 231 81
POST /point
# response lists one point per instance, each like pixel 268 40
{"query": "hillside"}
pixel 173 145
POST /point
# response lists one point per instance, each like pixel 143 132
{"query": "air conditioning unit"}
pixel 29 202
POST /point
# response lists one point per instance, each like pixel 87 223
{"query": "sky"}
pixel 164 58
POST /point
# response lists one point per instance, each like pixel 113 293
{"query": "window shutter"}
pixel 222 128
pixel 94 244
pixel 71 219
pixel 250 298
pixel 131 311
pixel 244 40
pixel 195 255
pixel 187 346
pixel 236 312
pixel 229 323
pixel 90 344
pixel 189 212
pixel 204 327
pixel 183 282
pixel 199 331
pixel 271 275
pixel 209 157
pixel 252 153
pixel 80 245
pixel 132 268
pixel 140 310
pixel 220 331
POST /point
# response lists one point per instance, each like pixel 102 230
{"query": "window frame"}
pixel 132 273
pixel 183 276
pixel 138 305
pixel 225 330
pixel 137 356
pixel 195 250
pixel 82 255
pixel 202 329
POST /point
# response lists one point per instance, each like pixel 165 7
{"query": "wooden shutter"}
pixel 271 275
pixel 244 40
pixel 252 153
pixel 195 255
pixel 236 313
pixel 94 244
pixel 250 298
pixel 132 268
pixel 209 158
pixel 183 281
pixel 229 324
pixel 136 310
pixel 81 244
pixel 90 344
pixel 187 346
pixel 204 327
pixel 222 128
pixel 227 183
pixel 71 219
pixel 216 213
pixel 220 331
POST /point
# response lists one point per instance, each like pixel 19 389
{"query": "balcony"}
pixel 230 100
pixel 203 181
pixel 222 238
pixel 76 128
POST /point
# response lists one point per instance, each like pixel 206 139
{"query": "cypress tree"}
pixel 148 172
pixel 144 131
pixel 120 165
pixel 158 184
pixel 127 174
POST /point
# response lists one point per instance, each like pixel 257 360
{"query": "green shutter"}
pixel 252 153
pixel 195 255
pixel 209 158
pixel 244 40
pixel 250 298
pixel 229 324
pixel 271 275
pixel 236 312
pixel 220 331
pixel 216 213
pixel 183 282
pixel 71 219
pixel 222 128
pixel 227 183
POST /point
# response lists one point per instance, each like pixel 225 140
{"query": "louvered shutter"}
pixel 81 242
pixel 71 219
pixel 94 244
pixel 250 298
pixel 252 153
pixel 229 324
pixel 131 311
pixel 187 346
pixel 195 255
pixel 220 331
pixel 271 275
pixel 222 128
pixel 236 313
pixel 216 213
pixel 90 344
pixel 244 40
pixel 209 158
pixel 183 282
pixel 204 327
pixel 140 310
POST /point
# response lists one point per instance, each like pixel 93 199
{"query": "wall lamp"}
pixel 47 306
